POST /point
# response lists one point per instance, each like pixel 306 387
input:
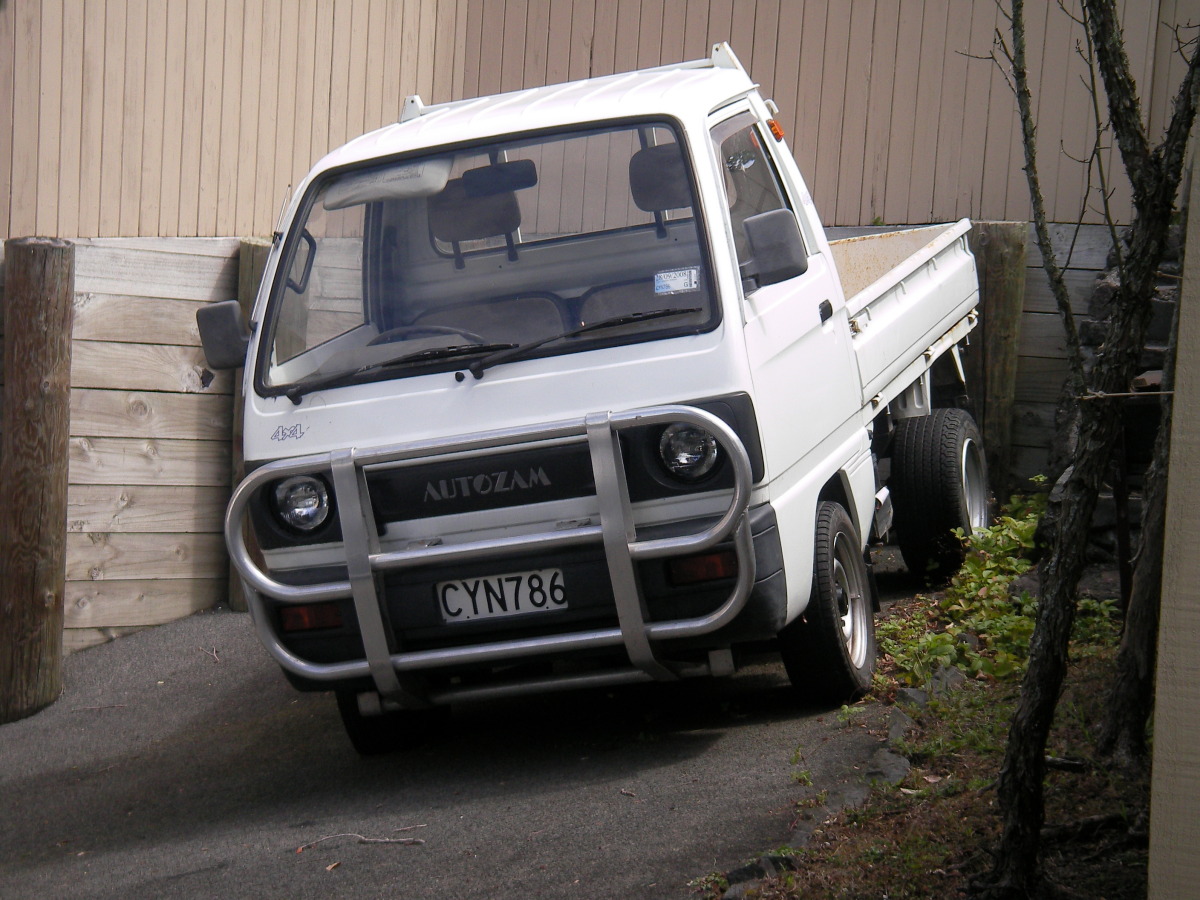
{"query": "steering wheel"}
pixel 407 331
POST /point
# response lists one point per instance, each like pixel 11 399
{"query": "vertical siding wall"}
pixel 889 118
pixel 191 117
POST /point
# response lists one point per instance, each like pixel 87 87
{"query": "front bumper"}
pixel 637 637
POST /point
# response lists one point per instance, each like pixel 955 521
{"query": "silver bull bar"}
pixel 348 469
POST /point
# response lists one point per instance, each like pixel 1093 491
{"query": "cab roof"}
pixel 687 91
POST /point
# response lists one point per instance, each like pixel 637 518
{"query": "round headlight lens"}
pixel 688 451
pixel 301 502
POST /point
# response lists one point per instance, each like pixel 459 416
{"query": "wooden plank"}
pixel 148 461
pixel 153 160
pixel 7 97
pixel 1076 247
pixel 425 46
pixel 356 72
pixel 787 65
pixel 1029 462
pixel 903 115
pixel 1040 380
pixel 806 142
pixel 583 32
pixel 76 639
pixel 339 75
pixel 179 62
pixel 272 138
pixel 537 41
pixel 877 139
pixel 854 121
pixel 922 171
pixel 302 37
pixel 230 142
pixel 973 139
pixel 140 509
pixel 49 118
pixel 71 120
pixel 832 118
pixel 245 173
pixel 145 367
pixel 1039 298
pixel 126 604
pixel 1033 424
pixel 101 413
pixel 952 112
pixel 143 320
pixel 24 159
pixel 675 22
pixel 133 131
pixel 602 60
pixel 445 44
pixel 191 127
pixel 142 273
pixel 511 39
pixel 117 557
pixel 650 33
pixel 215 37
pixel 1042 335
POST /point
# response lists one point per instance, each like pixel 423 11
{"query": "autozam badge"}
pixel 483 484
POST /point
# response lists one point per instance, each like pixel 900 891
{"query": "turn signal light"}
pixel 713 566
pixel 776 129
pixel 310 617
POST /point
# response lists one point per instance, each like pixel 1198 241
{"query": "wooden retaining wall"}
pixel 150 436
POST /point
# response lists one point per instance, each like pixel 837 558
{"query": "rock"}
pixel 900 724
pixel 886 767
pixel 913 697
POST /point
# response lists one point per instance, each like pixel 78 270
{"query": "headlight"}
pixel 301 502
pixel 688 451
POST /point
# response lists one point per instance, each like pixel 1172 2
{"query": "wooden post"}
pixel 999 249
pixel 252 261
pixel 39 295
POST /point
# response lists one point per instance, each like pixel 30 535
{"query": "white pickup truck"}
pixel 567 387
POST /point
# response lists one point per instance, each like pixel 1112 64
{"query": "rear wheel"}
pixel 829 652
pixel 390 731
pixel 939 483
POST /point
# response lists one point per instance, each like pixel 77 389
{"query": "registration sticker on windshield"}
pixel 677 281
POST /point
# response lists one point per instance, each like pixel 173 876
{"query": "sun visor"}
pixel 417 179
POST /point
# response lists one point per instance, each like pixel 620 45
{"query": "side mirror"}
pixel 776 247
pixel 223 334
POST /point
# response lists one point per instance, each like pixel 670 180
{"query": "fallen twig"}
pixel 362 839
pixel 110 706
pixel 212 653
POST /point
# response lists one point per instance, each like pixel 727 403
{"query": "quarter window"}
pixel 751 183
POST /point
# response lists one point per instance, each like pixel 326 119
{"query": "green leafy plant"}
pixel 978 624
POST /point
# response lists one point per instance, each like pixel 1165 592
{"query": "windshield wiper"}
pixel 336 379
pixel 518 351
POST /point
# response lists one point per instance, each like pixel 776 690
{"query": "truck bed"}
pixel 906 291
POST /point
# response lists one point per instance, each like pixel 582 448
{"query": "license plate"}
pixel 497 596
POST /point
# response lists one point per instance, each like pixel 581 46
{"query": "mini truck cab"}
pixel 563 388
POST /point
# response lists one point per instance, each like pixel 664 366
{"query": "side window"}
pixel 751 183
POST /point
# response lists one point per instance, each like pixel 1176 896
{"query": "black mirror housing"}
pixel 223 334
pixel 776 246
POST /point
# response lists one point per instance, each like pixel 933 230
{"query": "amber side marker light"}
pixel 713 566
pixel 310 617
pixel 776 129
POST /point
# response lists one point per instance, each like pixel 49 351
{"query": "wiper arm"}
pixel 510 353
pixel 336 379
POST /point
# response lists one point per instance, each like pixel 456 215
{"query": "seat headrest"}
pixel 658 179
pixel 454 216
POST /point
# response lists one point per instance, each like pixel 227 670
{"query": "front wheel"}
pixel 829 652
pixel 389 732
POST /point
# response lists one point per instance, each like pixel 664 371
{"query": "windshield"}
pixel 406 268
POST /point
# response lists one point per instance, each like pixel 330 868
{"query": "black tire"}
pixel 938 483
pixel 829 651
pixel 389 732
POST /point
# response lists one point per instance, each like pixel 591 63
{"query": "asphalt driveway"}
pixel 179 763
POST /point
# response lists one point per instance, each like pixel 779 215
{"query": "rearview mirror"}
pixel 223 334
pixel 776 247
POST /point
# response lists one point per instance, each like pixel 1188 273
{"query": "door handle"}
pixel 826 310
